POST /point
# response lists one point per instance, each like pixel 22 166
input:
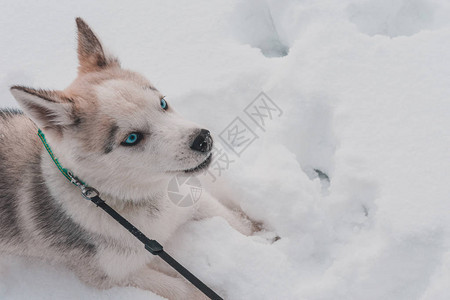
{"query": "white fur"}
pixel 133 180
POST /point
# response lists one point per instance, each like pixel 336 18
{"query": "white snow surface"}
pixel 365 91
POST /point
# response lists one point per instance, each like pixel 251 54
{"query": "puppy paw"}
pixel 266 237
pixel 258 228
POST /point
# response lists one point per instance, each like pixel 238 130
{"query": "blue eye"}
pixel 132 139
pixel 164 104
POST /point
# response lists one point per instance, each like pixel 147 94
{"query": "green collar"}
pixel 67 173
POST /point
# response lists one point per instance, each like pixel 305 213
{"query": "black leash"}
pixel 151 246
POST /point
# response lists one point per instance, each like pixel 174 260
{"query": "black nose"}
pixel 203 142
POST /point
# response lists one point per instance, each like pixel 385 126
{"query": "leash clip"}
pixel 88 192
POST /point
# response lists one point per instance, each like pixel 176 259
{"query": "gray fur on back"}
pixel 27 210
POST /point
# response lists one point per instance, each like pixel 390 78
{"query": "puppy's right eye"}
pixel 132 139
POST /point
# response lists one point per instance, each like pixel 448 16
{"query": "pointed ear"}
pixel 50 110
pixel 91 54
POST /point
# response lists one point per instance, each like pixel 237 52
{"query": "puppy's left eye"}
pixel 164 104
pixel 132 139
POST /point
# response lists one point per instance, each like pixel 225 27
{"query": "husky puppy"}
pixel 114 130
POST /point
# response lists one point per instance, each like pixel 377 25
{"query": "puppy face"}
pixel 113 128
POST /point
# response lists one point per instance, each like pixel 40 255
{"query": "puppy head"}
pixel 112 127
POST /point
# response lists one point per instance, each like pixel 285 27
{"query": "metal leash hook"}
pixel 88 192
pixel 73 179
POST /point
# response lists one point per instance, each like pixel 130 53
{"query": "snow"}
pixel 363 86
